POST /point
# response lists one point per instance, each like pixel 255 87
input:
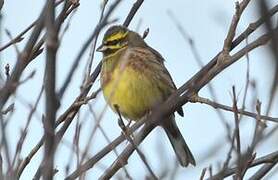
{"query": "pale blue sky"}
pixel 205 21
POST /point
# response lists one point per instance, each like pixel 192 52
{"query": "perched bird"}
pixel 134 78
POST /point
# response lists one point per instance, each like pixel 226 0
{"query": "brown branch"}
pixel 11 38
pixel 132 12
pixel 253 26
pixel 92 50
pixel 197 57
pixel 1 4
pixel 1 167
pixel 30 52
pixel 96 31
pixel 19 37
pixel 38 49
pixel 123 157
pixel 4 143
pixel 24 131
pixel 92 161
pixel 270 158
pixel 128 137
pixel 198 99
pixel 127 174
pixel 263 5
pixel 51 101
pixel 22 61
pixel 28 158
pixel 237 135
pixel 8 109
pixel 35 149
pixel 263 171
pixel 232 30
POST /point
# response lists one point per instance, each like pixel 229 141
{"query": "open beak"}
pixel 101 48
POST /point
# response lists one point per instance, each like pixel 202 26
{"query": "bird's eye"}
pixel 119 44
pixel 114 42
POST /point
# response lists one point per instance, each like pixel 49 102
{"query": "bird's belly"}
pixel 134 92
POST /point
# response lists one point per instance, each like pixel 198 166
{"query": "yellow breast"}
pixel 133 91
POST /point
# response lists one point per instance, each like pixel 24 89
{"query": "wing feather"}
pixel 149 61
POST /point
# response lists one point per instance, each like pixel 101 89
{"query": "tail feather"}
pixel 180 147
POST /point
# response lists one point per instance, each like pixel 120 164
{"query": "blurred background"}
pixel 206 23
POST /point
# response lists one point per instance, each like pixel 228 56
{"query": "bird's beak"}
pixel 101 48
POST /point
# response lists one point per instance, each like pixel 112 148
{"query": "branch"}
pixel 270 158
pixel 128 137
pixel 263 171
pixel 232 30
pixel 19 37
pixel 51 101
pixel 22 61
pixel 198 99
pixel 132 12
pixel 98 28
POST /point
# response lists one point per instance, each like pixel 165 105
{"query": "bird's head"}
pixel 118 37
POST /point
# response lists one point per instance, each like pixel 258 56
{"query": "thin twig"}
pixel 270 158
pixel 96 31
pixel 198 99
pixel 237 135
pixel 19 37
pixel 128 137
pixel 132 12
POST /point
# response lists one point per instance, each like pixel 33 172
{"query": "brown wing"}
pixel 160 73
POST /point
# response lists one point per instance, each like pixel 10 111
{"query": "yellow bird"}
pixel 134 78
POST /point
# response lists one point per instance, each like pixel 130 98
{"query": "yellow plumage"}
pixel 134 89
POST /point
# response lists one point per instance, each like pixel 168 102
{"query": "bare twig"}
pixel 7 71
pixel 132 12
pixel 263 171
pixel 98 28
pixel 198 99
pixel 22 61
pixel 1 167
pixel 8 109
pixel 19 37
pixel 237 135
pixel 263 5
pixel 198 59
pixel 146 32
pixel 123 157
pixel 35 149
pixel 91 57
pixel 232 30
pixel 10 36
pixel 127 174
pixel 128 137
pixel 270 158
pixel 25 129
pixel 203 173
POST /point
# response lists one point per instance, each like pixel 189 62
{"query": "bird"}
pixel 134 80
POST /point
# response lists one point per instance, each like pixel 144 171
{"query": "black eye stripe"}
pixel 113 42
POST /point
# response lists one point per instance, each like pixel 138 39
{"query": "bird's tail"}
pixel 179 145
